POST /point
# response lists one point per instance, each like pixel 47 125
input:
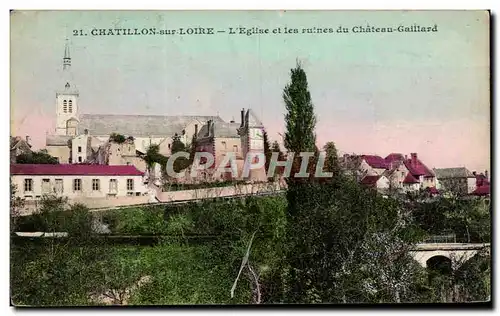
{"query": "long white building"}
pixel 77 182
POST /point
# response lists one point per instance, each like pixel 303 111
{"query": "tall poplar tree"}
pixel 300 119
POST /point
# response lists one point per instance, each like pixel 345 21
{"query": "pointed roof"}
pixel 375 161
pixel 410 179
pixel 370 180
pixel 252 119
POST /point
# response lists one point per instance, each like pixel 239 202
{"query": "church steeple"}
pixel 66 58
pixel 67 99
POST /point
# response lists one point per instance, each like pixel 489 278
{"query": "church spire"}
pixel 66 58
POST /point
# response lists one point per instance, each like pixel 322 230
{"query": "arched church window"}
pixel 65 106
pixel 70 107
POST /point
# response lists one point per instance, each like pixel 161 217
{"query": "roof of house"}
pixel 482 190
pixel 394 157
pixel 432 190
pixel 448 173
pixel 16 142
pixel 370 180
pixel 417 168
pixel 375 161
pixel 481 180
pixel 57 140
pixel 252 119
pixel 221 129
pixel 73 169
pixel 138 125
pixel 410 179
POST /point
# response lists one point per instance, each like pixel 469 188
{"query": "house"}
pixel 221 139
pixel 237 139
pixel 18 146
pixel 77 181
pixel 458 180
pixel 59 146
pixel 482 184
pixel 403 174
pixel 373 165
pixel 379 182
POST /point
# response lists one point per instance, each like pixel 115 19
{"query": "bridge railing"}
pixel 440 239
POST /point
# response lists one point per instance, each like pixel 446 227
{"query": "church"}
pixel 85 138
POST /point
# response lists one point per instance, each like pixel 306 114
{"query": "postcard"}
pixel 250 157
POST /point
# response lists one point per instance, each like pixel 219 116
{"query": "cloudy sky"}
pixel 373 92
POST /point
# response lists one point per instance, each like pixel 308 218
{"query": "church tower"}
pixel 67 100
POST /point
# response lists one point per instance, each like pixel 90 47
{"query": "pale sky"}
pixel 374 93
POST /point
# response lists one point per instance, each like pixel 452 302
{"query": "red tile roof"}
pixel 482 190
pixel 73 169
pixel 375 161
pixel 394 157
pixel 417 168
pixel 370 180
pixel 410 179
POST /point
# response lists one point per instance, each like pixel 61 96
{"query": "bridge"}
pixel 455 253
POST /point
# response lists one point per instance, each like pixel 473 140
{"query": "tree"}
pixel 332 159
pixel 117 138
pixel 300 119
pixel 39 157
pixel 16 204
pixel 180 163
pixel 267 150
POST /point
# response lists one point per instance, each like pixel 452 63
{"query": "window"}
pixel 65 106
pixel 70 107
pixel 113 185
pixel 79 158
pixel 235 148
pixel 130 184
pixel 59 186
pixel 168 146
pixel 77 184
pixel 224 145
pixel 28 185
pixel 45 186
pixel 96 185
pixel 79 149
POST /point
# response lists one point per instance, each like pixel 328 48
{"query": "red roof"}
pixel 482 190
pixel 394 157
pixel 70 169
pixel 410 179
pixel 481 180
pixel 370 180
pixel 432 190
pixel 417 168
pixel 375 161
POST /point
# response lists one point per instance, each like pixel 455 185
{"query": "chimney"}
pixel 406 157
pixel 209 123
pixel 414 159
pixel 486 174
pixel 28 139
pixel 232 120
pixel 242 116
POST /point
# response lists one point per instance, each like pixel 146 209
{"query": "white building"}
pixel 78 182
